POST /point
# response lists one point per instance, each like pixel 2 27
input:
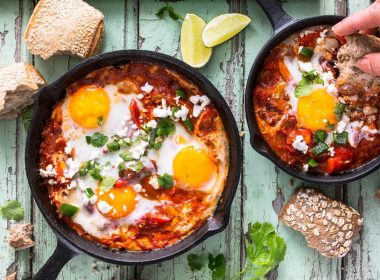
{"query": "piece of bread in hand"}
pixel 18 84
pixel 64 27
pixel 329 226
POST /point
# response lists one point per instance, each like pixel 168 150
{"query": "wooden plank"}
pixel 82 267
pixel 267 186
pixel 225 72
pixel 11 185
pixel 363 261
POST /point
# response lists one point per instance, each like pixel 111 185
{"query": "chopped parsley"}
pixel 12 210
pixel 305 86
pixel 165 181
pixel 92 168
pixel 165 127
pixel 169 9
pixel 97 139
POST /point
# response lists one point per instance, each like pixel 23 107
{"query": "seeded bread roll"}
pixel 329 226
pixel 18 84
pixel 64 27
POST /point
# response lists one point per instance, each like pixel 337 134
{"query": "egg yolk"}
pixel 316 111
pixel 87 105
pixel 122 200
pixel 193 167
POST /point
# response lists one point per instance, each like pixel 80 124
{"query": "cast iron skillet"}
pixel 284 26
pixel 69 242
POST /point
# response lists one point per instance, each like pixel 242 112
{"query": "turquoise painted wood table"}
pixel 263 187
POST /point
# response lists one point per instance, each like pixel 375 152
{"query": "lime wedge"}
pixel 223 27
pixel 193 51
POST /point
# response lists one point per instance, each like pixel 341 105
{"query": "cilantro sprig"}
pixel 195 262
pixel 165 181
pixel 305 86
pixel 170 10
pixel 97 139
pixel 216 264
pixel 265 250
pixel 12 210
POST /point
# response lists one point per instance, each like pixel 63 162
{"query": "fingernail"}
pixel 365 65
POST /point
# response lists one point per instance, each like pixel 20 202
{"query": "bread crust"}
pixel 64 27
pixel 329 226
pixel 18 84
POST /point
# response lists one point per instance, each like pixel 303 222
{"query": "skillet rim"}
pixel 78 244
pixel 257 141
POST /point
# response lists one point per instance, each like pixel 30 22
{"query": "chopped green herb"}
pixel 319 136
pixel 100 120
pixel 89 192
pixel 121 166
pixel 340 108
pixel 126 156
pixel 137 167
pixel 265 249
pixel 95 173
pixel 320 148
pixel 12 210
pixel 165 181
pixel 27 117
pixel 340 138
pixel 312 162
pixel 217 265
pixel 85 168
pixel 195 262
pixel 175 110
pixel 165 127
pixel 68 209
pixel 161 12
pixel 181 94
pixel 189 125
pixel 306 52
pixel 107 183
pixel 113 146
pixel 97 139
pixel 305 86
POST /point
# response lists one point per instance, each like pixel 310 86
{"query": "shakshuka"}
pixel 134 157
pixel 307 118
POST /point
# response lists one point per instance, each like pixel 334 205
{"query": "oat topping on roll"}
pixel 329 226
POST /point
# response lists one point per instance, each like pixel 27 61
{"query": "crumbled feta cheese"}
pixel 331 151
pixel 140 96
pixel 147 88
pixel 305 66
pixel 300 144
pixel 104 207
pixel 137 188
pixel 305 167
pixel 72 167
pixel 72 185
pixel 154 183
pixel 341 126
pixel 81 185
pixel 182 113
pixel 85 199
pixel 139 149
pixel 151 124
pixel 177 99
pixel 93 199
pixel 48 172
pixel 198 108
pixel 68 148
pixel 163 111
pixel 112 196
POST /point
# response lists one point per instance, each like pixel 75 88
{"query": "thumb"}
pixel 370 63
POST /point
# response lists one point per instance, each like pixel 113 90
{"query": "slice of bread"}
pixel 18 84
pixel 64 27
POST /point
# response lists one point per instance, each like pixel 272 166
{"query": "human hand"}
pixel 366 22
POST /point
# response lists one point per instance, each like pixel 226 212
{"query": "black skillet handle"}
pixel 62 254
pixel 276 15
